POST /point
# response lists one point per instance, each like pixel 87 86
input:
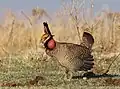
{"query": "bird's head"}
pixel 47 38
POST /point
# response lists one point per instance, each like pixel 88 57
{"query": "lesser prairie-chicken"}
pixel 73 57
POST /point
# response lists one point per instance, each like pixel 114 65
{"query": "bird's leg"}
pixel 68 75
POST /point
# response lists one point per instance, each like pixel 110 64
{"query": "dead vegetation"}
pixel 20 37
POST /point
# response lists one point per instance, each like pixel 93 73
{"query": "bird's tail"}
pixel 87 40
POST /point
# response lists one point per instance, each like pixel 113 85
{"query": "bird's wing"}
pixel 82 55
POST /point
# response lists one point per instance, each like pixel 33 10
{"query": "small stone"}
pixel 85 78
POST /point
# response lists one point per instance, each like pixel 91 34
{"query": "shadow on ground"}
pixel 106 79
pixel 92 75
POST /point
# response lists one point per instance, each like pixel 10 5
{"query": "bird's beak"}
pixel 41 45
pixel 53 35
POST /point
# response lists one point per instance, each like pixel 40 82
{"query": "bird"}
pixel 73 57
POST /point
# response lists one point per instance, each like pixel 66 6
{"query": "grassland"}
pixel 16 72
pixel 21 58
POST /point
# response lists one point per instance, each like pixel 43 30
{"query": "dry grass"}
pixel 21 58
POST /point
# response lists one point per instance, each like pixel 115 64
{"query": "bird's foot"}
pixel 68 76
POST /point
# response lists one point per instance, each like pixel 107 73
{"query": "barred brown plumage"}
pixel 72 57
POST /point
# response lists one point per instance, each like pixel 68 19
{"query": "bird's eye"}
pixel 45 38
